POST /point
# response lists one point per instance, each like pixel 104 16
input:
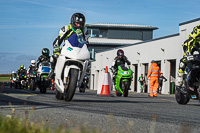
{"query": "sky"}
pixel 27 26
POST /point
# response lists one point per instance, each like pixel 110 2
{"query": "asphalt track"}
pixel 135 113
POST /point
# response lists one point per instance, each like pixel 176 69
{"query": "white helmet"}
pixel 13 71
pixel 32 62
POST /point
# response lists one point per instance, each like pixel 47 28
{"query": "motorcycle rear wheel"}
pixel 181 98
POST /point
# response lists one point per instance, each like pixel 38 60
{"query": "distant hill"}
pixel 12 61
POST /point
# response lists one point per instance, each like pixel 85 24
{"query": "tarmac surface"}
pixel 135 113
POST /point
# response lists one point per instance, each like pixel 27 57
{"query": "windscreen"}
pixel 124 67
pixel 76 41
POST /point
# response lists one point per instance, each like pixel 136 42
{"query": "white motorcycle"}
pixel 42 73
pixel 70 67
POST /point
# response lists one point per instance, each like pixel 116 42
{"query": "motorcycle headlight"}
pixel 125 73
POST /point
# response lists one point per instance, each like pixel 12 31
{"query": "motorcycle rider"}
pixel 119 60
pixel 142 83
pixel 13 75
pixel 31 67
pixel 189 47
pixel 44 57
pixel 77 26
pixel 21 70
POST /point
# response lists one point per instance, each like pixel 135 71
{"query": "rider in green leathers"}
pixel 142 83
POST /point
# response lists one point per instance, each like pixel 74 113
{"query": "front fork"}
pixel 82 73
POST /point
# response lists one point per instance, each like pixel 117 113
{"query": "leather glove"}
pixel 56 55
pixel 79 32
pixel 190 57
pixel 56 49
pixel 187 53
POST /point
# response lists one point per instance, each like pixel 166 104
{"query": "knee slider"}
pixel 182 65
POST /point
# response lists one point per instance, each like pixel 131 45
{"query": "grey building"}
pixel 166 51
pixel 104 36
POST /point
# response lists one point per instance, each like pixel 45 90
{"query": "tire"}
pixel 71 88
pixel 16 85
pixel 181 98
pixel 59 95
pixel 126 85
pixel 43 89
pixel 19 85
pixel 81 88
pixel 32 85
pixel 118 94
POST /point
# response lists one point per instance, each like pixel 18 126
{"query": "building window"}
pixel 101 33
pixel 93 32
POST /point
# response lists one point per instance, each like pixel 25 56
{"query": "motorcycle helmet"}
pixel 32 62
pixel 120 52
pixel 45 52
pixel 22 67
pixel 78 18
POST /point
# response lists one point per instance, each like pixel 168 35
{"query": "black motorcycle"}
pixel 32 81
pixel 191 78
pixel 84 85
pixel 21 81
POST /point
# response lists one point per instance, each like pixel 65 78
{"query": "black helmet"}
pixel 79 18
pixel 120 52
pixel 45 52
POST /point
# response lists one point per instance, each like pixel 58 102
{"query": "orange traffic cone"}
pixel 105 87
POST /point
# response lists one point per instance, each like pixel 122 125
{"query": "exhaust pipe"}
pixel 181 90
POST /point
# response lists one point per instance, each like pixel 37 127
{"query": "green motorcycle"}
pixel 123 80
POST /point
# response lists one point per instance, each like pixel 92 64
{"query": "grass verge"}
pixel 17 125
pixel 5 78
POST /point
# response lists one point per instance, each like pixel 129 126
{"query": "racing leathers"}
pixel 189 47
pixel 64 34
pixel 42 58
pixel 31 68
pixel 117 62
pixel 21 72
pixel 13 75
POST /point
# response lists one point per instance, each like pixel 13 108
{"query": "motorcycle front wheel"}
pixel 126 88
pixel 118 94
pixel 71 87
pixel 32 85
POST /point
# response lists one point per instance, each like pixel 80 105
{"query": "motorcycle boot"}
pixel 179 81
pixel 53 61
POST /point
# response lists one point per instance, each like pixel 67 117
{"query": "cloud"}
pixel 28 26
pixel 64 8
pixel 189 12
pixel 48 5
